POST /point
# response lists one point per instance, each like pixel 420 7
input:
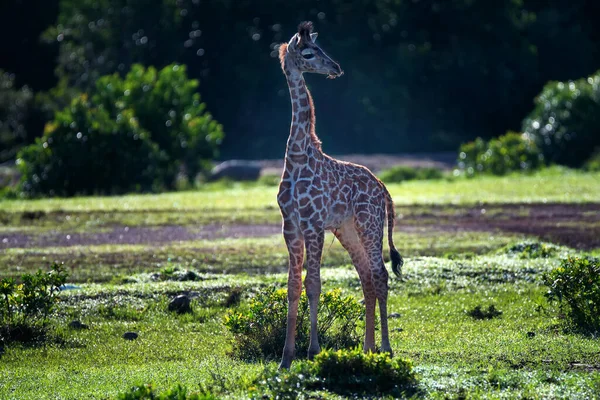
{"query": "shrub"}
pixel 349 372
pixel 147 392
pixel 593 163
pixel 565 123
pixel 259 328
pixel 576 283
pixel 167 105
pixel 401 173
pixel 529 249
pixel 85 151
pixel 133 134
pixel 507 153
pixel 26 307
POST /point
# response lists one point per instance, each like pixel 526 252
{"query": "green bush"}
pixel 259 328
pixel 26 307
pixel 593 163
pixel 529 249
pixel 348 372
pixel 401 173
pixel 133 134
pixel 565 123
pixel 147 392
pixel 508 153
pixel 167 105
pixel 576 283
pixel 86 151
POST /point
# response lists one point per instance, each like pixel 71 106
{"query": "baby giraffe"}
pixel 319 193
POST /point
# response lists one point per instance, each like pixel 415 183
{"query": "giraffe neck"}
pixel 302 141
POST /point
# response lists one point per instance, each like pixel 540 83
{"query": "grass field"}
pixel 453 235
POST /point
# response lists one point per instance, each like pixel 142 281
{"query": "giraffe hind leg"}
pixel 349 239
pixel 369 227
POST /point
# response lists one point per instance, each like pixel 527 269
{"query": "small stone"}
pixel 130 336
pixel 180 304
pixel 78 325
pixel 394 315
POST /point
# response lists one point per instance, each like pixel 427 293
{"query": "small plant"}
pixel 147 392
pixel 576 283
pixel 479 313
pixel 593 163
pixel 259 328
pixel 402 173
pixel 529 249
pixel 508 153
pixel 344 372
pixel 26 307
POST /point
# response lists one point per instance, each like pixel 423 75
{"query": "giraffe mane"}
pixel 313 134
pixel 282 52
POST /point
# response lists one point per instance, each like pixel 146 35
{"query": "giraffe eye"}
pixel 308 56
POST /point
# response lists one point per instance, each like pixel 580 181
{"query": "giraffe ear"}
pixel 313 36
pixel 293 42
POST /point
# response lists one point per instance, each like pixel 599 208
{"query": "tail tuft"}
pixel 397 262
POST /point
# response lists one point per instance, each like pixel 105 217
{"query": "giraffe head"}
pixel 301 53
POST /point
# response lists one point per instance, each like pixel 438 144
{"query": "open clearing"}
pixel 127 256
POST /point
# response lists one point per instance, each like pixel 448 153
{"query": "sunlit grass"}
pixel 547 186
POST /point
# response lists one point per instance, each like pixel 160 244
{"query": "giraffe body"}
pixel 319 193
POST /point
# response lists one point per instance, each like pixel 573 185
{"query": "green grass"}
pixel 554 185
pixel 102 263
pixel 453 352
pixel 525 352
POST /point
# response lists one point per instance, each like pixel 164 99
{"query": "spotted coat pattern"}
pixel 319 193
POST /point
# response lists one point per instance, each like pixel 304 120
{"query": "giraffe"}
pixel 319 193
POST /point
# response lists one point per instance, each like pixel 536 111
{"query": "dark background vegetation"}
pixel 421 75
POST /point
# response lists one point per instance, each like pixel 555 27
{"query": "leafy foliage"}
pixel 84 151
pixel 147 392
pixel 530 249
pixel 132 134
pixel 14 107
pixel 405 101
pixel 576 282
pixel 259 328
pixel 507 153
pixel 167 105
pixel 26 307
pixel 565 123
pixel 348 372
pixel 402 173
pixel 593 163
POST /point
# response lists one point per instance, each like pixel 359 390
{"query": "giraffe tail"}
pixel 395 256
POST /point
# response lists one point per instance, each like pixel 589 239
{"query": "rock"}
pixel 180 304
pixel 530 334
pixel 78 325
pixel 130 336
pixel 394 315
pixel 237 170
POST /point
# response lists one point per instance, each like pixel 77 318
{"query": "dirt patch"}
pixel 573 225
pixel 136 235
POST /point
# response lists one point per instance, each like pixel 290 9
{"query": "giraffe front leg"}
pixel 295 245
pixel 312 282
